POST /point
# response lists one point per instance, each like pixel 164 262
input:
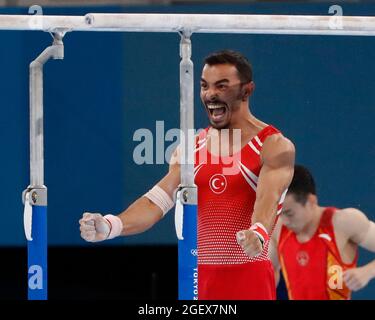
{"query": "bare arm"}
pixel 143 213
pixel 355 227
pixel 358 229
pixel 138 217
pixel 274 178
pixel 274 257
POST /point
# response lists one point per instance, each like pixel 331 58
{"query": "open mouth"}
pixel 217 111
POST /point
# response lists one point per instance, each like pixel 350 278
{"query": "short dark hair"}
pixel 243 66
pixel 302 184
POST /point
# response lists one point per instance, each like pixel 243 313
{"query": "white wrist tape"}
pixel 158 196
pixel 116 226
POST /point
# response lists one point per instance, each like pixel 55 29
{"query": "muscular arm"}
pixel 275 176
pixel 139 216
pixel 355 227
pixel 143 213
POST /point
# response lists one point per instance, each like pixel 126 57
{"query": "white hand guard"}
pixel 94 227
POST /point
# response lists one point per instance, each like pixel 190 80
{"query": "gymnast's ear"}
pixel 247 90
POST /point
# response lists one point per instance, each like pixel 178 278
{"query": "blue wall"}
pixel 317 90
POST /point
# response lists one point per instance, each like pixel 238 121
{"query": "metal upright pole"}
pixel 186 200
pixel 35 196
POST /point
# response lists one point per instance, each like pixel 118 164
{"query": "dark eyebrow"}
pixel 217 82
pixel 287 211
pixel 222 81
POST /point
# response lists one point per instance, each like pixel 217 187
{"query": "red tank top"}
pixel 226 197
pixel 313 270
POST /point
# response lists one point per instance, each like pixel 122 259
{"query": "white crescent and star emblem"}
pixel 218 183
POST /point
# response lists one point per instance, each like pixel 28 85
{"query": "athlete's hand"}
pixel 94 227
pixel 357 278
pixel 249 242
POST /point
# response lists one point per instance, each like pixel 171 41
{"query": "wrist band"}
pixel 261 232
pixel 158 196
pixel 116 226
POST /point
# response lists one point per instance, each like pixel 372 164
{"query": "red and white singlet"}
pixel 226 196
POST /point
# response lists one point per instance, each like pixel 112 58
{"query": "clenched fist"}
pixel 94 227
pixel 357 278
pixel 249 242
